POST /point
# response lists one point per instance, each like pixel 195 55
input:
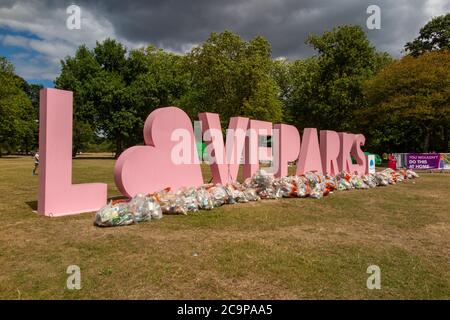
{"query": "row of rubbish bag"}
pixel 261 186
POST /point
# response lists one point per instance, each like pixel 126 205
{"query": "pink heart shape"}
pixel 150 168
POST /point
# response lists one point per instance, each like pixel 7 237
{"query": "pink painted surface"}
pixel 57 195
pixel 330 146
pixel 253 152
pixel 150 168
pixel 344 159
pixel 226 156
pixel 361 160
pixel 309 158
pixel 286 148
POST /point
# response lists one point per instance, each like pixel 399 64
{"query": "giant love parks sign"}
pixel 169 156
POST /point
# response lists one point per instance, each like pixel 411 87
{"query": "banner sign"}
pixel 371 163
pixel 423 161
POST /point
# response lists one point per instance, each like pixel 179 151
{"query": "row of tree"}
pixel 400 105
pixel 19 103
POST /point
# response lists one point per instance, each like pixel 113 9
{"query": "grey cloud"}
pixel 177 25
pixel 286 23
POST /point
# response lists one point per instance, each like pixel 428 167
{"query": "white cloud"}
pixel 437 7
pixel 54 41
pixel 178 26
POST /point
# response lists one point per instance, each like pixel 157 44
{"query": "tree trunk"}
pixel 27 149
pixel 119 146
pixel 75 146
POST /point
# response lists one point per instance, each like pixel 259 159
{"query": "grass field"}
pixel 276 249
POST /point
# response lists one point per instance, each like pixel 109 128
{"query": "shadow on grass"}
pixel 118 198
pixel 32 204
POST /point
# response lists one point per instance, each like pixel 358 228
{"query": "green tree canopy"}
pixel 409 105
pixel 115 90
pixel 17 119
pixel 328 88
pixel 231 76
pixel 435 35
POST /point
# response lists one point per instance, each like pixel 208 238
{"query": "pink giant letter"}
pixel 344 159
pixel 358 154
pixel 253 152
pixel 150 168
pixel 225 162
pixel 57 195
pixel 329 148
pixel 309 158
pixel 286 148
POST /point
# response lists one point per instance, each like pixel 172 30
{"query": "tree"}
pixel 435 35
pixel 327 89
pixel 409 105
pixel 78 74
pixel 17 122
pixel 31 141
pixel 231 77
pixel 114 91
pixel 280 72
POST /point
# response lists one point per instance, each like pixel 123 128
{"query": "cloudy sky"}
pixel 34 36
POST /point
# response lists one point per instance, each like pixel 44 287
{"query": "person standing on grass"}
pixel 36 162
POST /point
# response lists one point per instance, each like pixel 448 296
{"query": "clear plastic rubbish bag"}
pixel 114 215
pixel 262 179
pixel 287 187
pixel 303 187
pixel 204 199
pixel 189 196
pixel 370 180
pixel 358 182
pixel 171 203
pixel 382 179
pixel 144 208
pixel 251 194
pixel 219 195
pixel 236 193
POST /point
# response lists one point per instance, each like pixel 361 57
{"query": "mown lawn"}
pixel 277 249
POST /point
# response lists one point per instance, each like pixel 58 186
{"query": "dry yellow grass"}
pixel 280 249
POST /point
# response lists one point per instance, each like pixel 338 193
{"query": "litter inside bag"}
pixel 111 216
pixel 251 194
pixel 219 195
pixel 204 199
pixel 370 180
pixel 144 208
pixel 189 197
pixel 171 203
pixel 261 186
pixel 358 182
pixel 265 185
